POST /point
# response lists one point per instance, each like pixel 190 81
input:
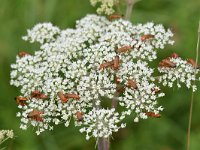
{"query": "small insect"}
pixel 174 55
pixel 21 100
pixel 193 63
pixel 132 84
pixel 116 63
pixel 35 94
pixel 22 54
pixel 120 89
pixel 38 94
pixel 36 115
pixel 62 97
pixel 124 49
pixel 117 80
pixel 79 115
pixel 156 90
pixel 114 16
pixel 152 114
pixel 167 63
pixel 147 37
pixel 106 65
pixel 43 96
pixel 74 96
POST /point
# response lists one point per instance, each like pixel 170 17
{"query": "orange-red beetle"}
pixel 156 90
pixel 114 16
pixel 62 97
pixel 121 89
pixel 74 96
pixel 167 63
pixel 116 63
pixel 79 115
pixel 36 115
pixel 147 37
pixel 21 100
pixel 124 49
pixel 193 63
pixel 132 84
pixel 174 55
pixel 35 94
pixel 106 65
pixel 152 114
pixel 38 94
pixel 117 80
pixel 22 54
pixel 43 96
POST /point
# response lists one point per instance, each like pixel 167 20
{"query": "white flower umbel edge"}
pixel 69 60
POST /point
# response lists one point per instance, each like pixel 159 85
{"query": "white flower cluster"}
pixel 42 33
pixel 6 134
pixel 106 6
pixel 183 72
pixel 101 123
pixel 78 73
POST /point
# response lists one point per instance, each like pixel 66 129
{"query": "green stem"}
pixel 129 8
pixel 192 97
pixel 4 140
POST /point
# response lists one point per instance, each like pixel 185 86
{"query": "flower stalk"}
pixel 129 8
pixel 192 97
pixel 103 144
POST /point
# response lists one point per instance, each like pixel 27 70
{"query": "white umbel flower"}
pixel 77 73
pixel 106 6
pixel 183 73
pixel 101 123
pixel 6 134
pixel 42 33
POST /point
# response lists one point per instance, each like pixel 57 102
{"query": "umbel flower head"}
pixel 106 6
pixel 6 134
pixel 81 75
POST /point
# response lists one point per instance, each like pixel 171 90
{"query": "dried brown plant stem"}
pixel 192 97
pixel 103 144
pixel 129 8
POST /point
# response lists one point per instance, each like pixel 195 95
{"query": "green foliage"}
pixel 166 133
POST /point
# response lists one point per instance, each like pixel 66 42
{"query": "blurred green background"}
pixel 166 133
